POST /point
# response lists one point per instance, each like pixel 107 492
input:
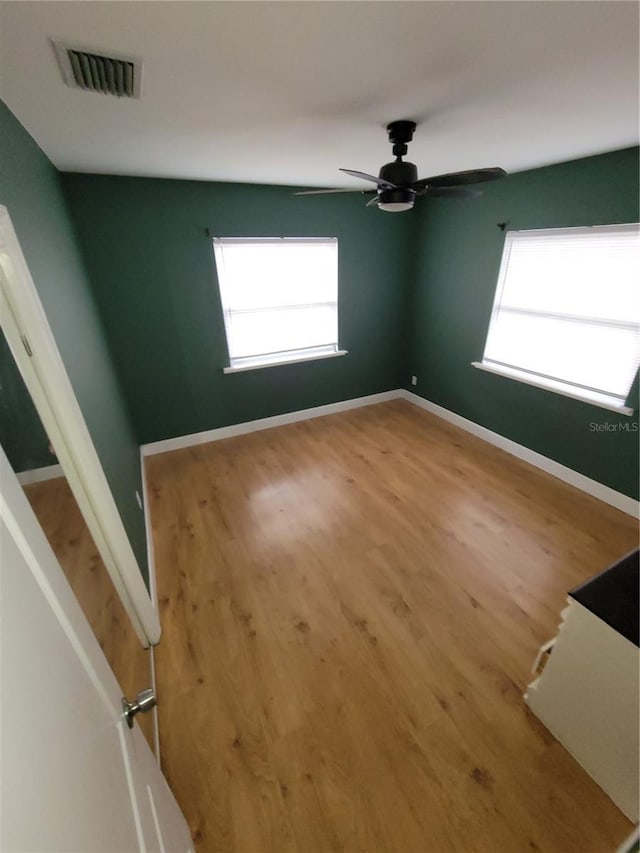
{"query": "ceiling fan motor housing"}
pixel 399 173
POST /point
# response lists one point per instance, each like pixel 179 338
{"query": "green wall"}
pixel 415 298
pixel 30 189
pixel 151 267
pixel 22 435
pixel 458 247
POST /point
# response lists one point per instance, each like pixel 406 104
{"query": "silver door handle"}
pixel 142 704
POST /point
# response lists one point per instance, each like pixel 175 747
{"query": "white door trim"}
pixel 23 319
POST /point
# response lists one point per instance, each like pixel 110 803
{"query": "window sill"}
pixel 298 360
pixel 555 388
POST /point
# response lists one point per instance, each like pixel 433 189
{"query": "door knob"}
pixel 142 704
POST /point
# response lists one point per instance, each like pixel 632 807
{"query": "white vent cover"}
pixel 99 70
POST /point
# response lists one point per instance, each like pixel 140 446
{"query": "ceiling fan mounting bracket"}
pixel 400 134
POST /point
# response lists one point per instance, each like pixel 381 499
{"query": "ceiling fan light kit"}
pixel 397 184
pixel 394 201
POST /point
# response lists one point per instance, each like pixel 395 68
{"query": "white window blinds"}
pixel 567 311
pixel 279 297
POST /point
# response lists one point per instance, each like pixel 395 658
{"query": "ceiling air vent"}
pixel 99 71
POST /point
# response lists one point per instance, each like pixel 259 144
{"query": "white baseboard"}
pixel 579 481
pixel 39 475
pixel 568 475
pixel 264 423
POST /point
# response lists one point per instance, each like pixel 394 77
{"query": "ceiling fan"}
pixel 398 185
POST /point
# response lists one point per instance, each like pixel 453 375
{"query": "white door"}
pixel 74 777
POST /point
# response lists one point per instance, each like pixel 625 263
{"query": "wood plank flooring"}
pixel 66 530
pixel 351 606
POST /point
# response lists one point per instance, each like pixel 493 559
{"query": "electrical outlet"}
pixel 414 380
pixel 139 499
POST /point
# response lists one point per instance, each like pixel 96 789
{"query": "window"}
pixel 566 315
pixel 279 298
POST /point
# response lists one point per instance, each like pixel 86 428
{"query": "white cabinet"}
pixel 588 697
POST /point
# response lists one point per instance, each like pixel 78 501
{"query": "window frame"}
pixel 273 359
pixel 547 383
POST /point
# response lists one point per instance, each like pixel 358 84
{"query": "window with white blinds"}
pixel 279 298
pixel 566 315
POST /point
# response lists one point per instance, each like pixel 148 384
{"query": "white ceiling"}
pixel 286 92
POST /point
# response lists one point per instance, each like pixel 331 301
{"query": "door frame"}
pixel 25 325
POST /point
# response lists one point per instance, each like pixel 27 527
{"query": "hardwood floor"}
pixel 61 520
pixel 351 606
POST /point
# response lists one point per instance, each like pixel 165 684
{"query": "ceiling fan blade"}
pixel 324 192
pixel 366 177
pixel 450 192
pixel 456 179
